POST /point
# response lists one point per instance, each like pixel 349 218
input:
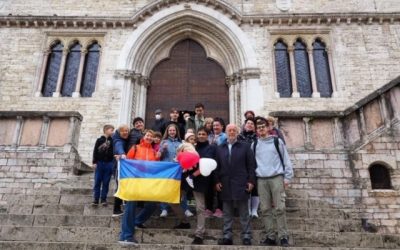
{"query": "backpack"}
pixel 276 143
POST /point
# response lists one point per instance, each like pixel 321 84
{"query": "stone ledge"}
pixel 31 114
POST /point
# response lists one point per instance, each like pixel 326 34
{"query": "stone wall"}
pixel 37 150
pixel 332 154
pixel 364 55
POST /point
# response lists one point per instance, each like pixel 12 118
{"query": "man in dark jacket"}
pixel 136 133
pixel 201 184
pixel 159 121
pixel 235 178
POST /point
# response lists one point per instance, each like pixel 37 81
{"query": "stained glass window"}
pixel 90 70
pixel 302 67
pixel 322 71
pixel 71 70
pixel 282 68
pixel 52 70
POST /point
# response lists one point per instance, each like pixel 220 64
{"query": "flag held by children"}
pixel 149 181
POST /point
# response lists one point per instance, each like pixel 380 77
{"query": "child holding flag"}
pixel 143 151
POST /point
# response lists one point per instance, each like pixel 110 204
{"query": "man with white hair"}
pixel 235 178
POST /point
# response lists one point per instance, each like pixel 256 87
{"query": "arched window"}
pixel 380 177
pixel 90 70
pixel 322 72
pixel 282 68
pixel 71 70
pixel 52 70
pixel 302 69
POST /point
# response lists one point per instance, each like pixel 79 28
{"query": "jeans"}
pixel 102 177
pixel 130 220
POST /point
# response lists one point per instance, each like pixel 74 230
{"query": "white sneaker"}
pixel 188 213
pixel 190 182
pixel 128 243
pixel 164 213
pixel 254 214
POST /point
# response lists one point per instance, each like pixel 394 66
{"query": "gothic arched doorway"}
pixel 186 78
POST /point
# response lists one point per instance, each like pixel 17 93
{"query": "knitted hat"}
pixel 187 135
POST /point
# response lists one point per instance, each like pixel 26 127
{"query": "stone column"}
pixel 361 124
pixel 145 83
pixel 125 79
pixel 332 72
pixel 315 92
pixel 17 131
pixel 230 83
pixel 39 86
pixel 44 131
pixel 72 135
pixel 338 133
pixel 293 72
pixel 384 110
pixel 61 73
pixel 78 84
pixel 308 142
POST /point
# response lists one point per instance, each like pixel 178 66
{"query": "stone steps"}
pixel 84 199
pixel 184 237
pixel 12 245
pixel 324 225
pixel 88 209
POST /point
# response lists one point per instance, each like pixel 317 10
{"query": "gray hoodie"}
pixel 267 158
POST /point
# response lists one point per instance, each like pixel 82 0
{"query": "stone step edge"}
pixel 209 230
pixel 170 246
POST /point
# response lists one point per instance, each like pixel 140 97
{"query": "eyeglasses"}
pixel 261 126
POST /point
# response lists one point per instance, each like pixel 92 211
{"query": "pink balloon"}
pixel 187 159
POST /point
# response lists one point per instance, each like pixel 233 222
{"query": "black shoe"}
pixel 117 213
pixel 95 203
pixel 268 242
pixel 225 241
pixel 284 242
pixel 247 242
pixel 182 225
pixel 141 226
pixel 104 203
pixel 197 241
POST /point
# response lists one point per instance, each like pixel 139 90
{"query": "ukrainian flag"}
pixel 149 181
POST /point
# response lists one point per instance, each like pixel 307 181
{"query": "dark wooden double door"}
pixel 187 77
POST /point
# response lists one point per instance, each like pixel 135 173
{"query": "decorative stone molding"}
pixel 282 19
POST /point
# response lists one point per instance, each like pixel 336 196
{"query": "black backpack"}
pixel 276 143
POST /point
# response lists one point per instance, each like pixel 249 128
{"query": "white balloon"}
pixel 207 165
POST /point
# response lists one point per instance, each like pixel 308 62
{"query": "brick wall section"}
pixel 24 171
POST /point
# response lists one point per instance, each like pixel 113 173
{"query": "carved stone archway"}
pixel 220 36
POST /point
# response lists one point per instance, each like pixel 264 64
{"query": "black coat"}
pixel 103 150
pixel 205 150
pixel 159 125
pixel 234 174
pixel 180 126
pixel 134 137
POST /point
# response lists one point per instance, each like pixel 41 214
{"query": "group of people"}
pixel 253 169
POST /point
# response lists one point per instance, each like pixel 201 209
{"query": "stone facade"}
pixel 364 44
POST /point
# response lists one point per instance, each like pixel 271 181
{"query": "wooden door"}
pixel 187 77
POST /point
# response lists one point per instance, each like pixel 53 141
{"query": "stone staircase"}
pixel 62 218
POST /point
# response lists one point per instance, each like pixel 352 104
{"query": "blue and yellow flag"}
pixel 149 181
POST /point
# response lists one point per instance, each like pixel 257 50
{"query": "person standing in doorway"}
pixel 158 122
pixel 197 121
